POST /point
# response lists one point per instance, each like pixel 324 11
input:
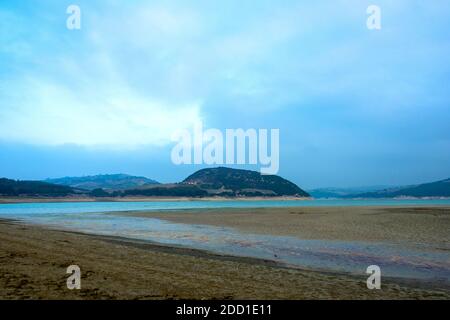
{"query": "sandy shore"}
pixel 33 263
pixel 407 225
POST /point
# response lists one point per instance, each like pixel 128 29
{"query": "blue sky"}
pixel 354 106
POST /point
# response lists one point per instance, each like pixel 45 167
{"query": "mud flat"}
pixel 409 225
pixel 33 262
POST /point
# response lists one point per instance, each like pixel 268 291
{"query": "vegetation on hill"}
pixel 33 188
pixel 105 181
pixel 234 182
pixel 176 190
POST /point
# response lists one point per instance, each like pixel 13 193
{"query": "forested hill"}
pixel 235 182
pixel 33 188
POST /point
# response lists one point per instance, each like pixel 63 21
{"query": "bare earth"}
pixel 33 260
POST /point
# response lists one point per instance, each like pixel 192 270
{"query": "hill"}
pixel 33 188
pixel 224 182
pixel 234 182
pixel 433 189
pixel 324 193
pixel 111 182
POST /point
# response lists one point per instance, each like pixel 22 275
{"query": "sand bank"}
pixel 408 225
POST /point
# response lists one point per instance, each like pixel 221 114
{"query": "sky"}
pixel 354 106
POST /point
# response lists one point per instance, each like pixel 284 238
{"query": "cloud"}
pixel 77 89
pixel 177 63
pixel 48 113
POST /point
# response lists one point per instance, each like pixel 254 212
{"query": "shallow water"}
pixel 342 256
pixel 73 207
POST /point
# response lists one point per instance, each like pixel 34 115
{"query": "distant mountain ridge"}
pixel 327 193
pixel 112 182
pixel 433 189
pixel 213 182
pixel 216 182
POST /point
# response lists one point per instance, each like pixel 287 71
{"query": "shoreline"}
pixel 128 262
pixel 11 200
